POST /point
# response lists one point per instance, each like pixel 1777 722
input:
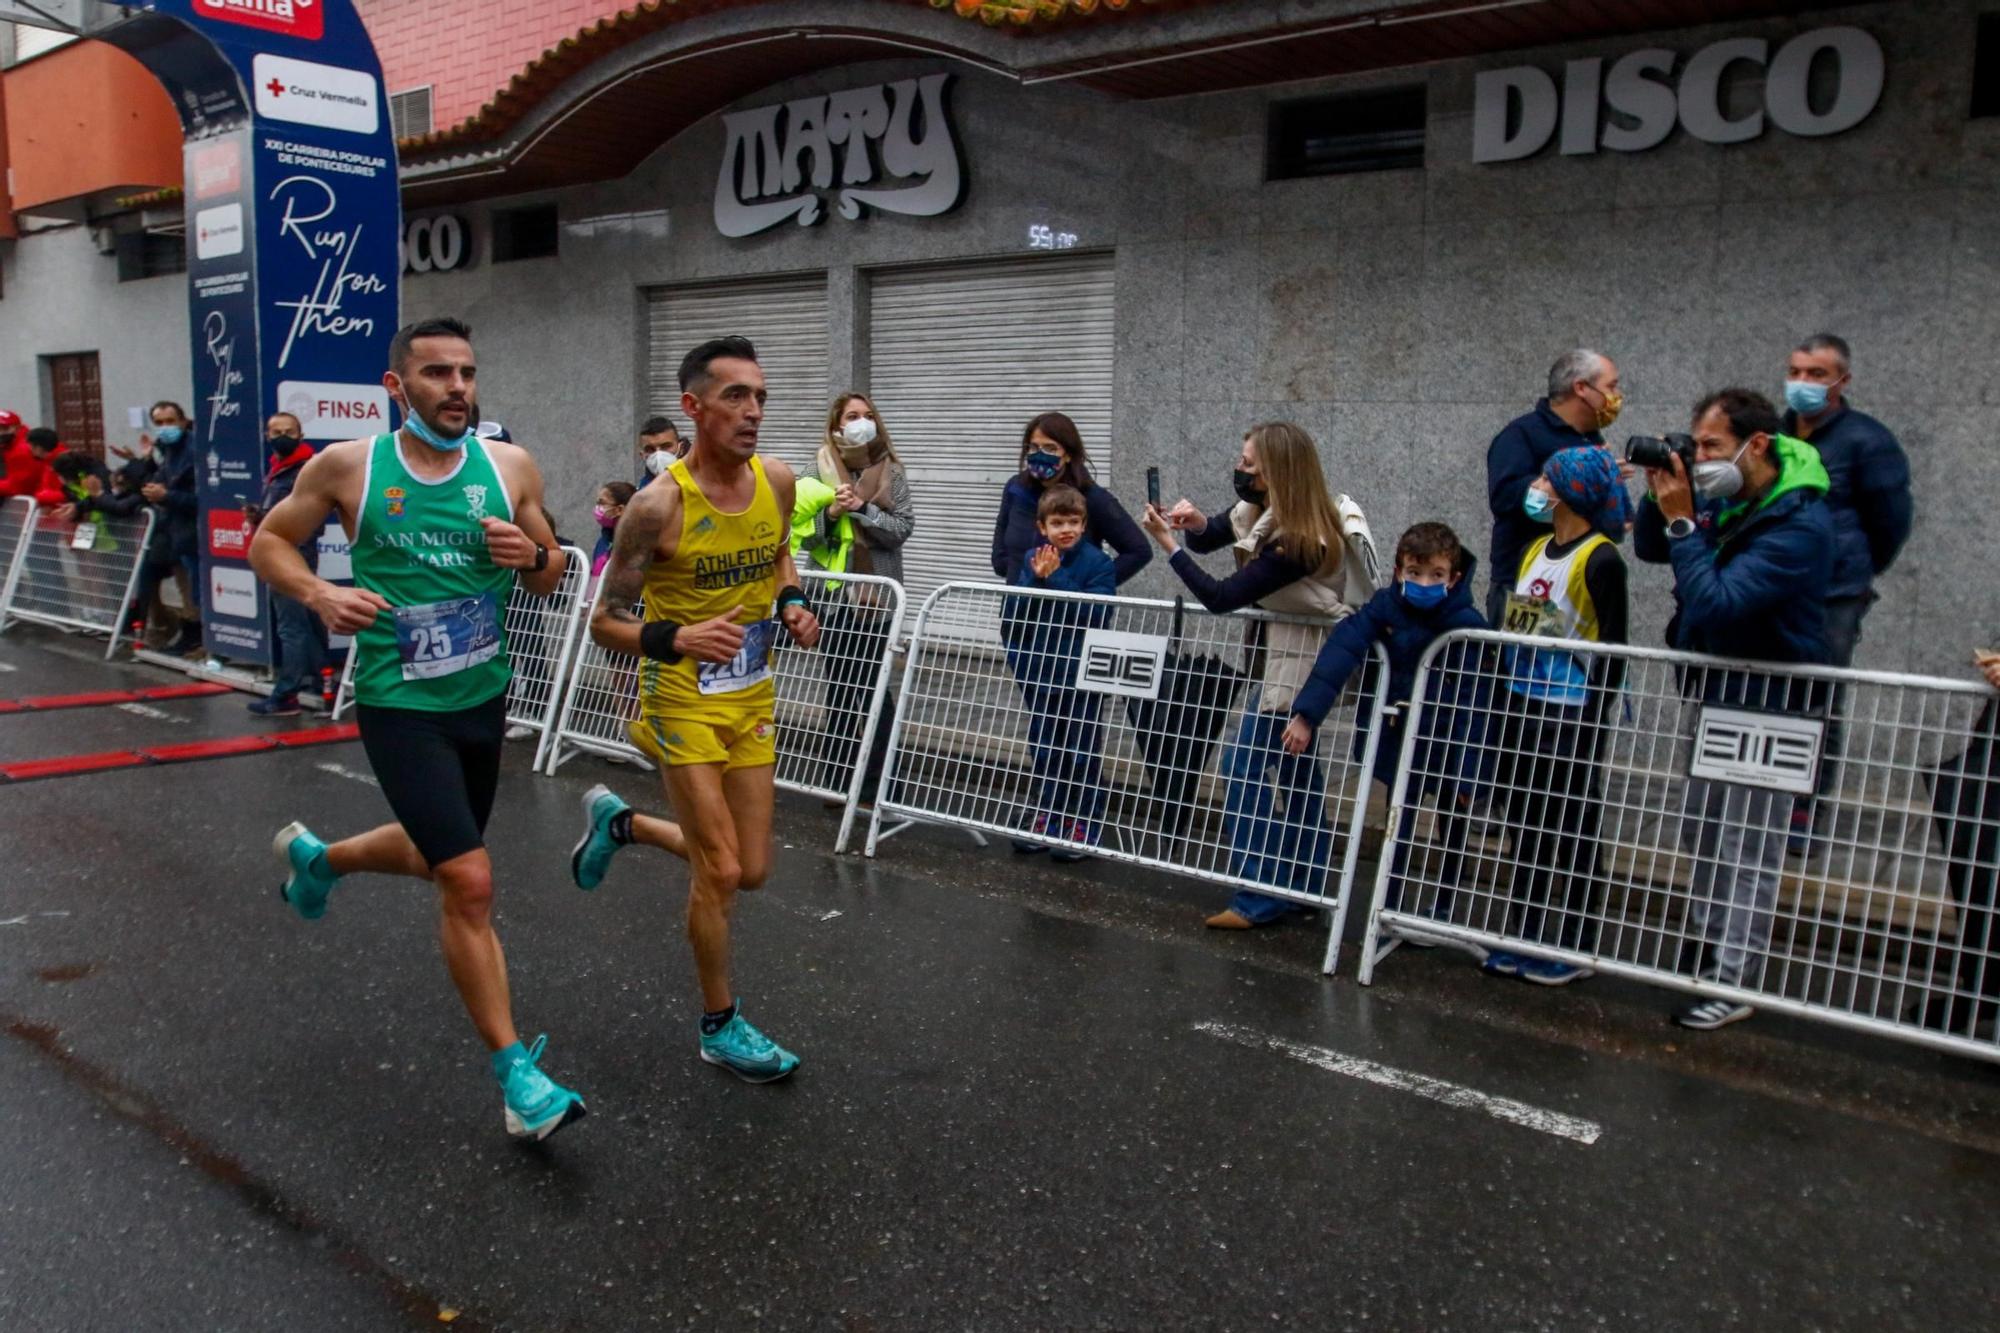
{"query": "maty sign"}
pixel 765 176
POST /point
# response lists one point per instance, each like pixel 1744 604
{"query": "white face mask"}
pixel 1718 480
pixel 858 433
pixel 658 461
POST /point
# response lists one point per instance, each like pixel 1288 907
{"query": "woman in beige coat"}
pixel 1300 552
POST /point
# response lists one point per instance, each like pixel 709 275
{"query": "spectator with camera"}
pixel 1584 399
pixel 1739 510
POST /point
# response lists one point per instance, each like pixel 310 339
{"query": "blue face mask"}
pixel 1805 397
pixel 1539 506
pixel 170 436
pixel 1043 465
pixel 1424 596
pixel 419 428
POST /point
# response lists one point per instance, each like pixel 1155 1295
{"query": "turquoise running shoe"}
pixel 593 852
pixel 536 1105
pixel 311 880
pixel 746 1052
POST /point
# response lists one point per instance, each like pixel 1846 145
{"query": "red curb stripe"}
pixel 93 699
pixel 214 749
pixel 327 735
pixel 10 706
pixel 199 689
pixel 188 752
pixel 69 764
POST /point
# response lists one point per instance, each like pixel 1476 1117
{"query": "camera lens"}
pixel 1648 451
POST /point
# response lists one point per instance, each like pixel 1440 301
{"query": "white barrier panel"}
pixel 830 700
pixel 541 643
pixel 17 520
pixel 1137 731
pixel 77 576
pixel 1665 827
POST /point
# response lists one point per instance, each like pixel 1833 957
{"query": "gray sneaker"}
pixel 1709 1015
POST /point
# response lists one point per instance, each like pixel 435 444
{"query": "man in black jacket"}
pixel 301 638
pixel 177 511
pixel 1868 483
pixel 1584 399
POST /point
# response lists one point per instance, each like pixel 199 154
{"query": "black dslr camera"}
pixel 1658 451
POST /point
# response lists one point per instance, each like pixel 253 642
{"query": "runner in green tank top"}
pixel 421 544
pixel 440 524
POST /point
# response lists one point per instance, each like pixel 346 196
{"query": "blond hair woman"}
pixel 1303 552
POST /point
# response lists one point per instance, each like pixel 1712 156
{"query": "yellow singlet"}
pixel 724 562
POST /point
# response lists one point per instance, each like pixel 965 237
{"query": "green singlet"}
pixel 443 645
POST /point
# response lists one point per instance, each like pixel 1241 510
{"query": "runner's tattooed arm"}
pixel 512 545
pixel 637 544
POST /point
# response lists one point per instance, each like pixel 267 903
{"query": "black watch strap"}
pixel 541 557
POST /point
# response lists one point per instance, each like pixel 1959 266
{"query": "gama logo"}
pixel 294 18
pixel 229 534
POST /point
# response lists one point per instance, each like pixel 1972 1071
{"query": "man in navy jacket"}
pixel 1868 483
pixel 1584 399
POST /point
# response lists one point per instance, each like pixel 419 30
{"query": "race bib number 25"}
pixel 445 638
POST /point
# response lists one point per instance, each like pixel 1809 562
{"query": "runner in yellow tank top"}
pixel 705 546
pixel 696 712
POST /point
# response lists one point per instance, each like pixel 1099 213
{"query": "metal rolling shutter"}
pixel 960 357
pixel 784 317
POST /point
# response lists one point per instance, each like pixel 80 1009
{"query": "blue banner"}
pixel 293 218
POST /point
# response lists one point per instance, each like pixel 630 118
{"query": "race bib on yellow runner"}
pixel 445 638
pixel 750 666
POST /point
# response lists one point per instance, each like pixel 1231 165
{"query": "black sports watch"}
pixel 541 558
pixel 1679 528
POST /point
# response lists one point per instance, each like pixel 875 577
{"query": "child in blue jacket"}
pixel 1432 594
pixel 1044 638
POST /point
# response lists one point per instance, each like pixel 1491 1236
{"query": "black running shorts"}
pixel 439 771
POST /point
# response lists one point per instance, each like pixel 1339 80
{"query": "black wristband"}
pixel 792 595
pixel 541 558
pixel 656 640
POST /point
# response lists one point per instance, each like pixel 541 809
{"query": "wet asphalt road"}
pixel 1015 1110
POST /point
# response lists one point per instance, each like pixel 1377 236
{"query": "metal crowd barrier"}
pixel 74 576
pixel 830 701
pixel 541 642
pixel 17 521
pixel 1126 729
pixel 1649 832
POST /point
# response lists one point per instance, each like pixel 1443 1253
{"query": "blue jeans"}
pixel 301 648
pixel 1289 850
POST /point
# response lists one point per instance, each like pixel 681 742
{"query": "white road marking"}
pixel 342 771
pixel 15 921
pixel 1402 1080
pixel 5 668
pixel 830 916
pixel 147 710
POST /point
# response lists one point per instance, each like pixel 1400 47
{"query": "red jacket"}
pixel 32 476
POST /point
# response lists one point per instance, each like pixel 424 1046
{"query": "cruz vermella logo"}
pixel 294 18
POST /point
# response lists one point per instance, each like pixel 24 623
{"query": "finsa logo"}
pixel 294 18
pixel 1131 665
